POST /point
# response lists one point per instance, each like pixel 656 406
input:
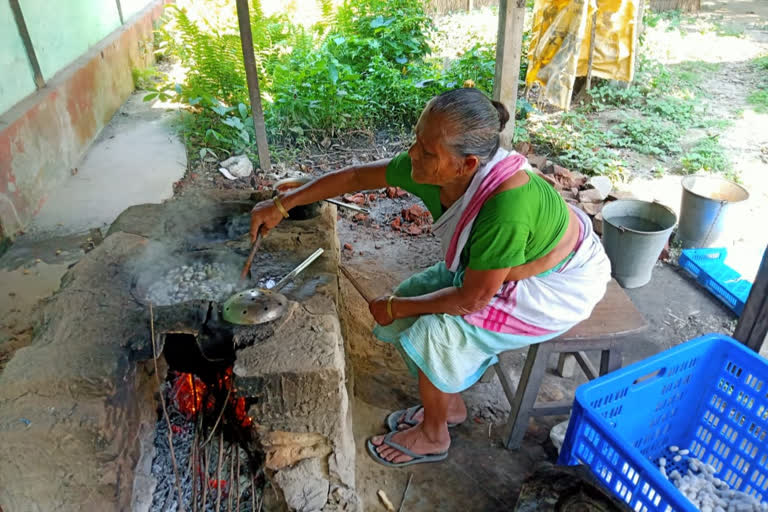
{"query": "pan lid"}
pixel 253 307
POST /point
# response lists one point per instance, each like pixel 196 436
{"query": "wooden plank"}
pixel 21 25
pixel 752 328
pixel 586 365
pixel 509 41
pixel 557 408
pixel 610 360
pixel 614 316
pixel 259 126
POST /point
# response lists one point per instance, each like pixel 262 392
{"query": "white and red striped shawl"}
pixel 538 305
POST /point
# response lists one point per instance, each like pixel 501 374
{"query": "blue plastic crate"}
pixel 709 268
pixel 709 395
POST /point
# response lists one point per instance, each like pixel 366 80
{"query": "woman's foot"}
pixel 415 439
pixel 457 414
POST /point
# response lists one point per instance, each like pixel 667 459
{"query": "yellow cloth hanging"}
pixel 560 39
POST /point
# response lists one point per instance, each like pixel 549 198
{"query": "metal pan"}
pixel 257 305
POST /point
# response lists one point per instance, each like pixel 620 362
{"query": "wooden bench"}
pixel 614 321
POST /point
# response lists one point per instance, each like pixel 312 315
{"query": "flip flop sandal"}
pixel 406 416
pixel 417 458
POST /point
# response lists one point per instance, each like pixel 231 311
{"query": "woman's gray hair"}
pixel 475 120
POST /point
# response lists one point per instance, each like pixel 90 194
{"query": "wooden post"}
pixel 259 126
pixel 592 37
pixel 21 25
pixel 509 45
pixel 639 28
pixel 752 328
pixel 120 12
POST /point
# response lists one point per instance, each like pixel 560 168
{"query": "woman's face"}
pixel 432 161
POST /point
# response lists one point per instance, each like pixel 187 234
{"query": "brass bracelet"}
pixel 389 307
pixel 280 207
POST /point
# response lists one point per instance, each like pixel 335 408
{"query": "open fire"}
pixel 213 465
pixel 190 393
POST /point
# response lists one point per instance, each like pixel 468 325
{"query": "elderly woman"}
pixel 520 266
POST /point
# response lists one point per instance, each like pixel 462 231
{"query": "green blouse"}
pixel 513 227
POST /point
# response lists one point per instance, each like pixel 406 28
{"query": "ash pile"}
pixel 205 456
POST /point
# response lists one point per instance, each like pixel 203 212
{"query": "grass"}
pixel 759 98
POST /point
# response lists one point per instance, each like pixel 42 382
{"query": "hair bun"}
pixel 503 114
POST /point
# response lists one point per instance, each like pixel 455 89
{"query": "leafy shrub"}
pixel 578 143
pixel 649 136
pixel 396 30
pixel 365 65
pixel 706 155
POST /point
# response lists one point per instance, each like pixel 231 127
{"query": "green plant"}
pixel 146 78
pixel 759 100
pixel 673 19
pixel 219 130
pixel 477 64
pixel 578 143
pixel 728 30
pixel 361 66
pixel 706 155
pixel 649 136
pixel 396 30
pixel 761 63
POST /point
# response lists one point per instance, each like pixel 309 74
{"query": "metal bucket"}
pixel 706 201
pixel 634 234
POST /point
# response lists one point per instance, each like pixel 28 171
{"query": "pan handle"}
pixel 365 294
pixel 298 270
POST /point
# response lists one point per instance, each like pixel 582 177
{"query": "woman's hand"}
pixel 264 217
pixel 378 309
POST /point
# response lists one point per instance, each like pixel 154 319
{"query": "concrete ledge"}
pixel 73 405
pixel 298 379
pixel 44 136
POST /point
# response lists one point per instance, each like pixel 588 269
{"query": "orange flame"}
pixel 191 396
pixel 189 392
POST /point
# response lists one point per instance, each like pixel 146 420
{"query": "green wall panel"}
pixel 63 30
pixel 131 7
pixel 16 78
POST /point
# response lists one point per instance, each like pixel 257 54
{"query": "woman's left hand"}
pixel 378 308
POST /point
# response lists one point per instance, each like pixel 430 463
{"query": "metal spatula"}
pixel 258 305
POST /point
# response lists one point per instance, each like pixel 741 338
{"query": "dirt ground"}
pixel 479 474
pixel 707 38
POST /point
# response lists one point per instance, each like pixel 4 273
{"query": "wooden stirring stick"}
pixel 360 289
pixel 247 267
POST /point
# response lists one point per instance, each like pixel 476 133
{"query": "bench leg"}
pixel 524 399
pixel 610 360
pixel 566 365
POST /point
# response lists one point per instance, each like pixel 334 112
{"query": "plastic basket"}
pixel 709 395
pixel 709 268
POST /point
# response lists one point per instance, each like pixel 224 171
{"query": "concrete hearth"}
pixel 78 407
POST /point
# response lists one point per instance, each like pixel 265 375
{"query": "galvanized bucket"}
pixel 704 207
pixel 634 234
